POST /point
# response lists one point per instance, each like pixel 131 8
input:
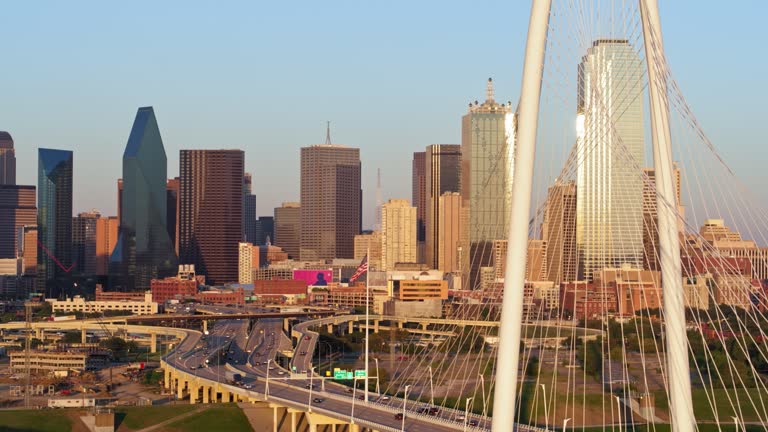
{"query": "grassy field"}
pixel 215 417
pixel 227 417
pixel 35 421
pixel 134 418
pixel 703 409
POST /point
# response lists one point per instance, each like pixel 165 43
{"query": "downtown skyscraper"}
pixel 331 201
pixel 419 200
pixel 398 233
pixel 487 166
pixel 144 250
pixel 54 219
pixel 211 212
pixel 609 196
pixel 7 160
pixel 288 228
pixel 443 174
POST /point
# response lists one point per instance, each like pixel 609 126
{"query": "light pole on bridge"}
pixel 466 411
pixel 266 388
pixel 405 401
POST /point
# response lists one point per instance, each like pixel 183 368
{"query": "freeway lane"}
pixel 263 341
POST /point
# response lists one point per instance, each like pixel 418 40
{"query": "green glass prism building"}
pixel 144 249
pixel 54 219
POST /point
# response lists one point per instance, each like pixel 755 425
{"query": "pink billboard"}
pixel 314 277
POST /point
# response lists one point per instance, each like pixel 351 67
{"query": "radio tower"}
pixel 377 227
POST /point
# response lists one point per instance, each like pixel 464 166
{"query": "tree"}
pixel 114 344
pixel 532 369
pixel 72 337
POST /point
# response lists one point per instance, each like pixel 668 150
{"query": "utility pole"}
pixel 27 352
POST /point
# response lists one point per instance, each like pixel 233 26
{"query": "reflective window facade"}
pixel 54 219
pixel 487 164
pixel 144 249
pixel 610 153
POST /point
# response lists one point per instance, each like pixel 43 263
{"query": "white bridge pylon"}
pixel 678 369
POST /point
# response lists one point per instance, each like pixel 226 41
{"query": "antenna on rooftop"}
pixel 328 133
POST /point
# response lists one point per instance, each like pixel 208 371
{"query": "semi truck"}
pixel 233 377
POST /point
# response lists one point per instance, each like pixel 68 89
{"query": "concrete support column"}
pixel 286 324
pixel 153 342
pixel 274 419
pixel 399 324
pixel 351 327
pixel 205 326
pixel 83 336
pixel 330 328
pixel 225 396
pixel 167 377
pixel 193 390
pixel 180 389
pixel 312 427
pixel 376 326
pixel 206 395
pixel 293 422
pixel 39 334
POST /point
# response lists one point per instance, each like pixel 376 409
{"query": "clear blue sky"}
pixel 392 76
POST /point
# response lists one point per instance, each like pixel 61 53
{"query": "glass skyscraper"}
pixel 487 166
pixel 609 197
pixel 144 249
pixel 54 219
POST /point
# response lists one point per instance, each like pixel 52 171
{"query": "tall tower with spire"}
pixel 331 200
pixel 487 165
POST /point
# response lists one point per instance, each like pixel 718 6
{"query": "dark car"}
pixel 349 390
pixel 303 353
pixel 433 411
pixel 473 422
pixel 399 416
pixel 318 400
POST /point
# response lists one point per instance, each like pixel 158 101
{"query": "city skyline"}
pixel 271 142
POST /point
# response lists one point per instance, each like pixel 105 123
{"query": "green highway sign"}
pixel 360 373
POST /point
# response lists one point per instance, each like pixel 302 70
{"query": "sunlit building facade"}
pixel 443 174
pixel 609 158
pixel 331 201
pixel 487 166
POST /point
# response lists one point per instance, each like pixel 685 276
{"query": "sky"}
pixel 391 76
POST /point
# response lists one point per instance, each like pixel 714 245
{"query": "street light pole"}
pixel 736 423
pixel 482 382
pixel 378 389
pixel 546 413
pixel 565 422
pixel 405 401
pixel 354 392
pixel 311 374
pixel 266 389
pixel 367 322
pixel 431 389
pixel 466 412
pixel 618 408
